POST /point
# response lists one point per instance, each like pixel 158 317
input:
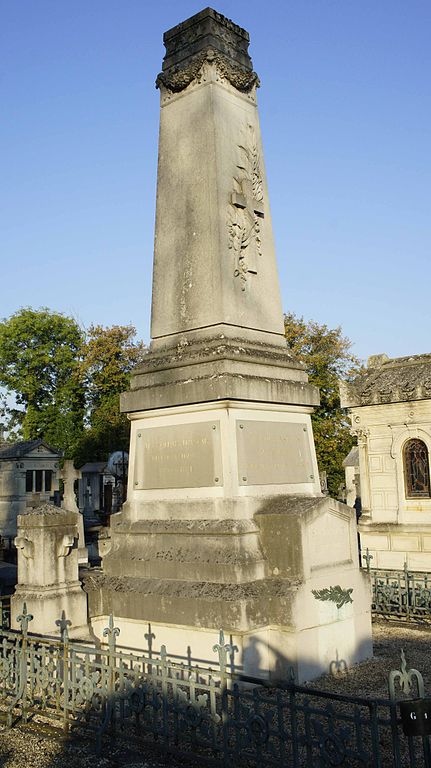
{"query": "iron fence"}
pixel 209 712
pixel 5 611
pixel 404 594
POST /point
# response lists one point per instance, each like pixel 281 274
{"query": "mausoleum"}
pixel 28 477
pixel 390 410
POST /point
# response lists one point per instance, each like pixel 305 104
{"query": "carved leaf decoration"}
pixel 335 595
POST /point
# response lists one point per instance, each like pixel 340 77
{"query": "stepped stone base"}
pixel 295 544
pixel 218 368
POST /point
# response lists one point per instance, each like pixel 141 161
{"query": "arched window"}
pixel 416 469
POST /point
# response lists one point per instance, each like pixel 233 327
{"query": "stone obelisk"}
pixel 224 525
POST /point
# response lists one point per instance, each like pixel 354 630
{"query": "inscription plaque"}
pixel 180 456
pixel 273 453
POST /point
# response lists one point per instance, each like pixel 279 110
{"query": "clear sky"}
pixel 345 108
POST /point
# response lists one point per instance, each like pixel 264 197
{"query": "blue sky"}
pixel 345 108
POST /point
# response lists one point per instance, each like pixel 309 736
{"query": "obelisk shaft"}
pixel 214 262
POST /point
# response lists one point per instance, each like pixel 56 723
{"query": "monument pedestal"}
pixel 225 527
pixel 281 579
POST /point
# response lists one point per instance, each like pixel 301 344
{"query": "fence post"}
pixel 407 584
pixel 63 624
pixel 367 557
pixel 23 620
pixel 111 633
pixel 223 649
pixel 405 678
pixel 165 705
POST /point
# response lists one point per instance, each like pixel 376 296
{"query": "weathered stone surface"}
pixel 277 613
pixel 212 550
pixel 218 369
pixel 397 380
pixel 206 33
pixel 212 190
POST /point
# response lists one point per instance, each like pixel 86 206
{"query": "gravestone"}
pixel 225 524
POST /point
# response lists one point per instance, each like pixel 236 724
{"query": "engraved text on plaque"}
pixel 178 456
pixel 273 453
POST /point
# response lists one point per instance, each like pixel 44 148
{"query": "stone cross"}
pixel 150 636
pixel 69 474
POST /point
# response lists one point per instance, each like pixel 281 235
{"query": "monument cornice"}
pixel 179 77
pixel 214 348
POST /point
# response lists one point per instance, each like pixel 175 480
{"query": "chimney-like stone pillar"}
pixel 47 545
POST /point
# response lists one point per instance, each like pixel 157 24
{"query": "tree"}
pixel 39 353
pixel 108 357
pixel 327 358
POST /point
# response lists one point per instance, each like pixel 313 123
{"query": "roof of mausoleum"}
pixel 390 380
pixel 352 458
pixel 23 447
pixel 93 467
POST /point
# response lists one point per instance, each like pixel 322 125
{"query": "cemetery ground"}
pixel 39 746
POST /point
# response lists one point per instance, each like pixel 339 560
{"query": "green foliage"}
pixel 327 358
pixel 108 357
pixel 66 384
pixel 39 352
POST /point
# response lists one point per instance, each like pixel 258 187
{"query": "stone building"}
pixel 28 477
pixel 390 410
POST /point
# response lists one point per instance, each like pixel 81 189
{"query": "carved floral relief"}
pixel 246 209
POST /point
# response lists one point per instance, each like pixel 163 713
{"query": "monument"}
pixel 225 524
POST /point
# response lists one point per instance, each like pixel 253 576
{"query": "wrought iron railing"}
pixel 403 594
pixel 222 718
pixel 5 611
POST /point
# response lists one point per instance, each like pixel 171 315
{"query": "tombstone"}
pixel 225 524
